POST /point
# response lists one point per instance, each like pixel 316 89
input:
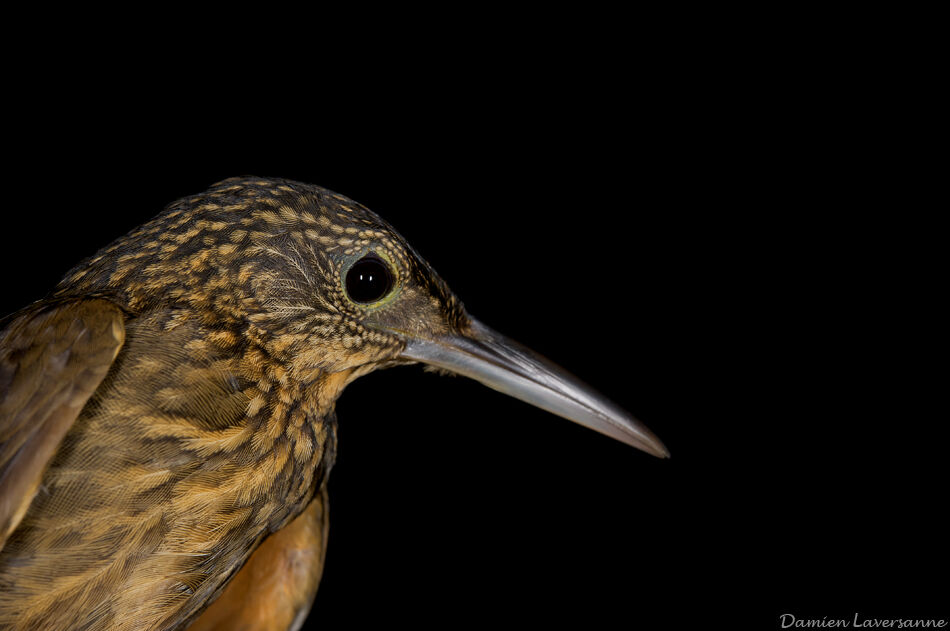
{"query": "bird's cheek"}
pixel 336 355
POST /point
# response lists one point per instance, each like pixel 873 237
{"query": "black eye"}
pixel 368 280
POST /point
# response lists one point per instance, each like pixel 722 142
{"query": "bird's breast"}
pixel 186 457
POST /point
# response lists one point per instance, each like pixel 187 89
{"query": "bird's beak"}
pixel 507 366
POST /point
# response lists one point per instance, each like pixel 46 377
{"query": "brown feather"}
pixel 52 358
pixel 161 492
pixel 275 588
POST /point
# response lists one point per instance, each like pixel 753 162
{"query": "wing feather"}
pixel 53 356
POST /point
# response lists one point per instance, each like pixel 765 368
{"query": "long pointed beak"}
pixel 507 366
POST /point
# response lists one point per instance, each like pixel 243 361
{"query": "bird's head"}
pixel 330 288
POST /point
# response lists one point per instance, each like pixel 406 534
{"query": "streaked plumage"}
pixel 170 405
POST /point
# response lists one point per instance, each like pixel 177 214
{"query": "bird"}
pixel 167 411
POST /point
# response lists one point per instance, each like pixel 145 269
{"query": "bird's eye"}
pixel 368 280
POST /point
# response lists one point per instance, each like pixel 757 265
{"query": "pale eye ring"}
pixel 369 280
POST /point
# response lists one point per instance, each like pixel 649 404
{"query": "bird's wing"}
pixel 53 356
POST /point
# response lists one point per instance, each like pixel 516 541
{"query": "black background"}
pixel 689 243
